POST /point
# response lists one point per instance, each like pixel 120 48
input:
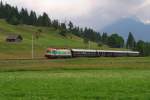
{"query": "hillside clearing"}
pixel 49 38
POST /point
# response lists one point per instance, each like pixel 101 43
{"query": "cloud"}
pixel 107 12
pixel 56 8
pixel 142 12
pixel 92 13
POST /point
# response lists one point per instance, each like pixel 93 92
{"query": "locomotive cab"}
pixel 58 53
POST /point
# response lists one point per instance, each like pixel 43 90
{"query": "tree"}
pixel 24 16
pixel 77 31
pixel 104 38
pixel 38 33
pixel 147 49
pixel 140 47
pixel 63 29
pixel 99 37
pixel 55 24
pixel 70 26
pixel 63 33
pixel 63 26
pixel 46 20
pixel 143 48
pixel 115 41
pixel 13 20
pixel 39 21
pixel 1 10
pixel 32 18
pixel 131 43
pixel 13 17
pixel 6 11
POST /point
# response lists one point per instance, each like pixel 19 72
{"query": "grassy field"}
pixel 76 79
pixel 76 63
pixel 76 85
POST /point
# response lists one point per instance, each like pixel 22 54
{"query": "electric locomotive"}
pixel 58 53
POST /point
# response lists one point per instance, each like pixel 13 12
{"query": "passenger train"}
pixel 69 53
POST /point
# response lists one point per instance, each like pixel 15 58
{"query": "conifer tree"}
pixel 32 18
pixel 131 43
pixel 105 38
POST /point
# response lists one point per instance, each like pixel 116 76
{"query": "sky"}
pixel 91 13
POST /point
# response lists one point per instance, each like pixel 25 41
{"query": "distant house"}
pixel 14 38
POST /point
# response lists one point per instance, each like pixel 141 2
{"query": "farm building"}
pixel 14 38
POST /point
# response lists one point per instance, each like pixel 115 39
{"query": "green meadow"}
pixel 75 85
pixel 76 79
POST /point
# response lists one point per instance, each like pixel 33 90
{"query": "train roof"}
pixel 117 51
pixel 83 50
pixel 87 50
pixel 58 49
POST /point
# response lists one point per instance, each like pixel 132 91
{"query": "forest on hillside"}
pixel 15 16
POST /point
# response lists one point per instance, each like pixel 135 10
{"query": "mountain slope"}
pixel 49 38
pixel 124 26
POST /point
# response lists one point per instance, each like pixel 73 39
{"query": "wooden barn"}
pixel 14 38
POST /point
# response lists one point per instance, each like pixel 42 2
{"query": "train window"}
pixel 53 52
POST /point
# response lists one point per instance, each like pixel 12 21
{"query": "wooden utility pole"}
pixel 89 45
pixel 32 46
pixel 34 37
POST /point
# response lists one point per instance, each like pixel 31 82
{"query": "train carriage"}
pixel 83 53
pixel 110 53
pixel 68 53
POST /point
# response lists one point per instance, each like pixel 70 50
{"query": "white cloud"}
pixel 92 13
pixel 56 8
pixel 142 12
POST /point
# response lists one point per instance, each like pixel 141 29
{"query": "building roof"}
pixel 13 36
